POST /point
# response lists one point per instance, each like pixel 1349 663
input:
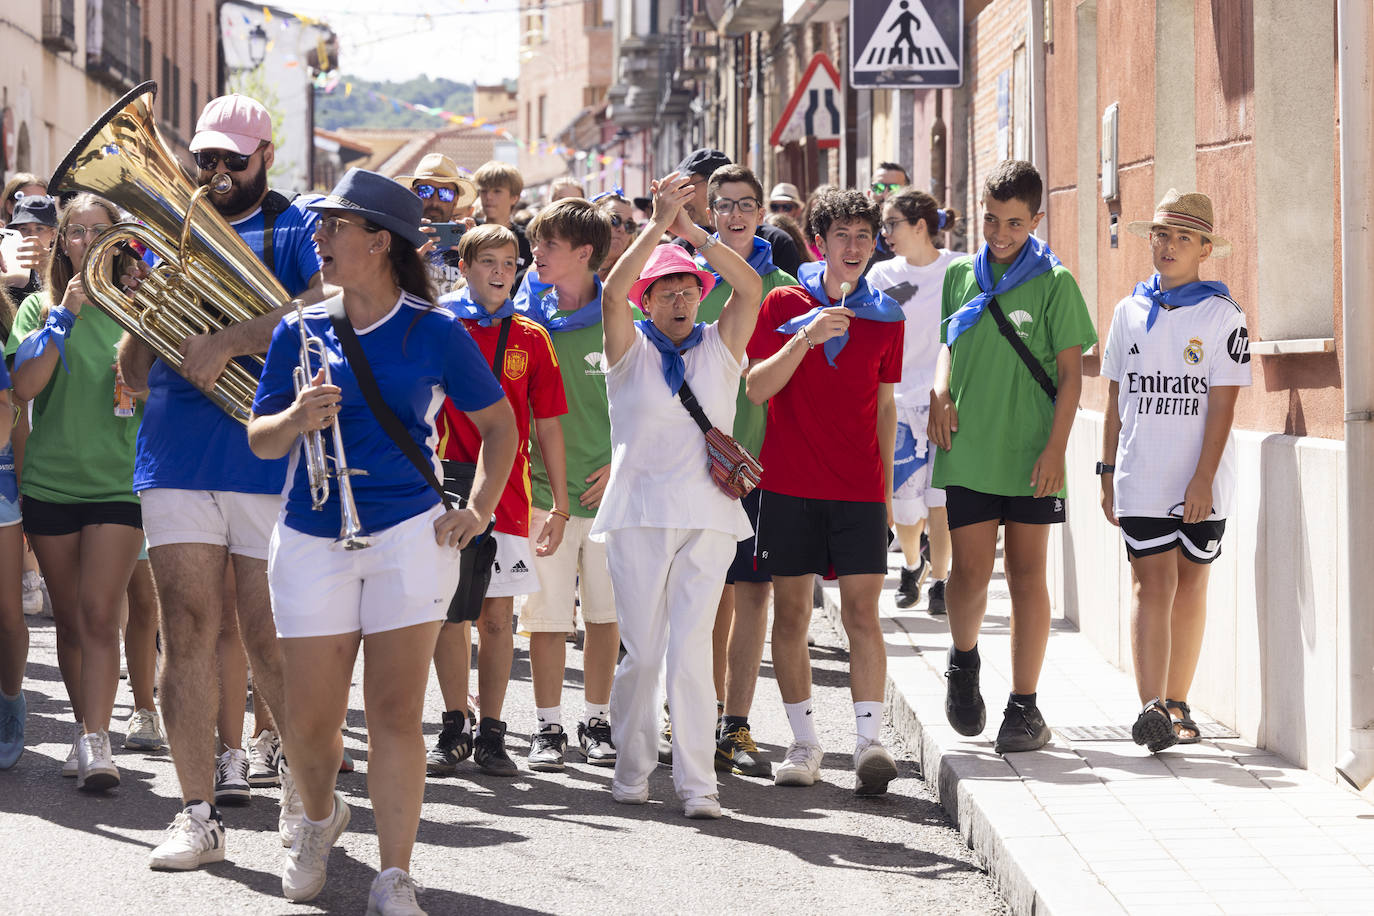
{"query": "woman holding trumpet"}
pixel 392 596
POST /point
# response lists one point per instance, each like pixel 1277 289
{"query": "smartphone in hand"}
pixel 446 235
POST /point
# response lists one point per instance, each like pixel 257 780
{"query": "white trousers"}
pixel 667 585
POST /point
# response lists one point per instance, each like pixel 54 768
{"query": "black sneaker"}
pixel 737 753
pixel 1023 729
pixel 594 737
pixel 964 706
pixel 935 595
pixel 453 746
pixel 489 749
pixel 546 749
pixel 909 589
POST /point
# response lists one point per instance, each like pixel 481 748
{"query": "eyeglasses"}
pixel 329 225
pixel 781 207
pixel 206 160
pixel 890 225
pixel 689 296
pixel 617 222
pixel 723 205
pixel 75 233
pixel 426 191
pixel 881 188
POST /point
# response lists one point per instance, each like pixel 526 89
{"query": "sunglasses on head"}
pixel 426 191
pixel 206 160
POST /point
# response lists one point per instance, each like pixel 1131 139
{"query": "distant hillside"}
pixel 360 109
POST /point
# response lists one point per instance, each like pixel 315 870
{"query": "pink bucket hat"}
pixel 665 261
pixel 233 122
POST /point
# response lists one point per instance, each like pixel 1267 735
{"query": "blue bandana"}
pixel 539 301
pixel 1187 294
pixel 761 259
pixel 462 304
pixel 674 366
pixel 56 329
pixel 864 301
pixel 1034 259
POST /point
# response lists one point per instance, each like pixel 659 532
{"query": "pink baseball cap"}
pixel 232 122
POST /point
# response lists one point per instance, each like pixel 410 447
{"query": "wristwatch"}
pixel 1104 469
pixel 710 241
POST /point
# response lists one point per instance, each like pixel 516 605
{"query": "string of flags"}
pixel 329 80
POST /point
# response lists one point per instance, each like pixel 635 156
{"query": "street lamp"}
pixel 257 45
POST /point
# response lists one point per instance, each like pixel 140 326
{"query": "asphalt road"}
pixel 537 843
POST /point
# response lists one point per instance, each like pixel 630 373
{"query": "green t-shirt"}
pixel 1004 416
pixel 750 418
pixel 587 424
pixel 79 451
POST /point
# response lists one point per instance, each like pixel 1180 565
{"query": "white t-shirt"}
pixel 660 476
pixel 917 291
pixel 1164 377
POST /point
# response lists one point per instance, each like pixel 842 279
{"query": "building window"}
pixel 166 84
pixel 543 103
pixel 176 96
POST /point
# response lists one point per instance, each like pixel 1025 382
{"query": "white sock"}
pixel 391 869
pixel 868 719
pixel 802 722
pixel 10 698
pixel 595 711
pixel 549 715
pixel 306 819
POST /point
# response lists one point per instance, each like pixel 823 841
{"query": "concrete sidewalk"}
pixel 1094 824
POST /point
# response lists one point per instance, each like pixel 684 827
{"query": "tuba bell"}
pixel 207 279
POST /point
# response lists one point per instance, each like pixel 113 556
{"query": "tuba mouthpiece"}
pixel 221 183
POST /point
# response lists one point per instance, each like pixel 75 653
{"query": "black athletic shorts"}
pixel 798 536
pixel 46 519
pixel 969 507
pixel 1200 541
pixel 747 567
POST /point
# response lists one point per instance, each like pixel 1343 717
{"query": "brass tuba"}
pixel 208 277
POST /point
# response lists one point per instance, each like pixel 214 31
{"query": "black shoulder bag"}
pixel 1037 371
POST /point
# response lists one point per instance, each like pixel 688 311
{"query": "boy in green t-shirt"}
pixel 1001 437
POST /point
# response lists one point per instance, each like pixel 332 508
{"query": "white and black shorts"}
pixel 1200 541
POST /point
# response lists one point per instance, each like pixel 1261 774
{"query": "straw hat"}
pixel 439 168
pixel 1184 211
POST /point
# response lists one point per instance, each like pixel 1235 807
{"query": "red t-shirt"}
pixel 821 441
pixel 534 386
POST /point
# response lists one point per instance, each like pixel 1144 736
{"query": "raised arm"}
pixel 741 311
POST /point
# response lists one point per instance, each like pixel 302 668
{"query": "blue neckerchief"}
pixel 1187 294
pixel 55 330
pixel 463 305
pixel 674 366
pixel 1034 259
pixel 864 300
pixel 761 259
pixel 539 301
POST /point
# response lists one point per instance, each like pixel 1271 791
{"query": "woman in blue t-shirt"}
pixel 14 632
pixel 391 596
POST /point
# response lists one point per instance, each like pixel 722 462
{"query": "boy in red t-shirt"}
pixel 825 356
pixel 530 377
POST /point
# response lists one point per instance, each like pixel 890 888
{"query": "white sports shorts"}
pixel 914 499
pixel 242 522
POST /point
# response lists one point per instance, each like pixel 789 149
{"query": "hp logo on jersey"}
pixel 1238 345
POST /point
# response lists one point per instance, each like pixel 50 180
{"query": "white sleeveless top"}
pixel 659 468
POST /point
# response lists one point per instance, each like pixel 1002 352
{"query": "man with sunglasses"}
pixel 209 504
pixel 701 164
pixel 444 191
pixel 888 179
pixel 787 200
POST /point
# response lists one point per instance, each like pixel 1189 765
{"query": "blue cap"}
pixel 379 200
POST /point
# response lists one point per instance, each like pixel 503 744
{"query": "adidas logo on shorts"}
pixel 519 567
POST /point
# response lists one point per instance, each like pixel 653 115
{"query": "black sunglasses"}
pixel 206 160
pixel 426 191
pixel 782 207
pixel 617 222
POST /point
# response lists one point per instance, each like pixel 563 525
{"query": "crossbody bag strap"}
pixel 689 400
pixel 501 347
pixel 1037 371
pixel 386 418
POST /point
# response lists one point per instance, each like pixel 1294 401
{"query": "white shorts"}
pixel 578 569
pixel 513 572
pixel 914 499
pixel 403 579
pixel 241 522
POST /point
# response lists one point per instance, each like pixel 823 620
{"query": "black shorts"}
pixel 747 567
pixel 1200 542
pixel 46 519
pixel 969 507
pixel 798 536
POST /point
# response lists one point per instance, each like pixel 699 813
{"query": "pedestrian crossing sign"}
pixel 906 44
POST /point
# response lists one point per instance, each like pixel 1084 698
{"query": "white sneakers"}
pixel 393 894
pixel 627 796
pixel 144 732
pixel 95 763
pixel 702 807
pixel 292 808
pixel 231 778
pixel 874 768
pixel 264 759
pixel 308 861
pixel 195 837
pixel 802 767
pixel 71 766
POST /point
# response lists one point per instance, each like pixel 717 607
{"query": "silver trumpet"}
pixel 316 461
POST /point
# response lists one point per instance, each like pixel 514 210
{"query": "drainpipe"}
pixel 1357 297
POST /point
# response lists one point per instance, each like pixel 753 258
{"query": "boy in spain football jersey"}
pixel 1177 355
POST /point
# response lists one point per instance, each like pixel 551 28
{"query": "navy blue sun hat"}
pixel 379 200
pixel 35 208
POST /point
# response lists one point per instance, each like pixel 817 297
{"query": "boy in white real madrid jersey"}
pixel 1177 355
